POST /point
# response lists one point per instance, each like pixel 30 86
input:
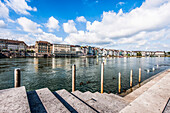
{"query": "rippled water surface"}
pixel 55 73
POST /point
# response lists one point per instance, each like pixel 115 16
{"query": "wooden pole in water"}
pixel 17 78
pixel 102 76
pixel 119 82
pixel 139 75
pixel 131 78
pixel 73 77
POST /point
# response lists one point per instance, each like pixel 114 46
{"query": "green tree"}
pixel 139 54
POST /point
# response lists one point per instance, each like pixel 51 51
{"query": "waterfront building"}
pixel 124 53
pixel 96 51
pixel 143 53
pixel 110 52
pixel 61 50
pixel 31 51
pixel 31 48
pixel 90 51
pixel 12 45
pixel 129 53
pixel 147 53
pixel 134 53
pixel 43 48
pixel 104 52
pixel 120 53
pixel 116 53
pixel 160 53
pixel 152 53
pixel 100 52
pixel 76 50
pixel 84 50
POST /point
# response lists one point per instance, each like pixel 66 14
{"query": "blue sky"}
pixel 125 24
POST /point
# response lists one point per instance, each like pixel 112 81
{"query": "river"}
pixel 55 73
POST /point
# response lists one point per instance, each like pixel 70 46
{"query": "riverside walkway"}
pixel 151 97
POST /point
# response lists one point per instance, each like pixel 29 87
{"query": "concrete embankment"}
pixel 152 97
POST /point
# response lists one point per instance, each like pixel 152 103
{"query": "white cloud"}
pixel 20 6
pixel 81 19
pixel 4 11
pixel 29 38
pixel 29 26
pixel 125 24
pixel 69 27
pixel 147 40
pixel 141 26
pixel 121 3
pixel 52 24
pixel 8 34
pixel 48 37
pixel 85 38
pixel 2 24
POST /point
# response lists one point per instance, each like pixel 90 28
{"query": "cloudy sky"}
pixel 125 24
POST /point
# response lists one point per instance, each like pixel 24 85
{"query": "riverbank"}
pixel 152 97
pixel 145 85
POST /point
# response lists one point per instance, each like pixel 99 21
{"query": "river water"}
pixel 55 73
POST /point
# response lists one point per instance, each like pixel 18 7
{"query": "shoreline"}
pixel 139 85
pixel 87 57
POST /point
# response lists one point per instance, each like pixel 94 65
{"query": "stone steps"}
pixel 93 101
pixel 44 101
pixel 78 104
pixel 104 103
pixel 50 102
pixel 14 100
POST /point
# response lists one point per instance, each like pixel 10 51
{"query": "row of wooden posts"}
pixel 102 78
pixel 17 78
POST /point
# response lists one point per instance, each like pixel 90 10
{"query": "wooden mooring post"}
pixel 17 77
pixel 73 77
pixel 119 83
pixel 131 72
pixel 102 76
pixel 139 75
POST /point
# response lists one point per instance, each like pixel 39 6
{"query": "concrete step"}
pixel 111 101
pixel 79 105
pixel 14 100
pixel 50 102
pixel 35 103
pixel 114 96
pixel 94 101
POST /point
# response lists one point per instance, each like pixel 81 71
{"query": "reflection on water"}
pixel 55 73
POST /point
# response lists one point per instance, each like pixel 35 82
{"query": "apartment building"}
pixel 12 45
pixel 160 53
pixel 76 49
pixel 43 47
pixel 61 48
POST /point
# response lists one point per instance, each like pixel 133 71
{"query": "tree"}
pixel 32 51
pixel 139 54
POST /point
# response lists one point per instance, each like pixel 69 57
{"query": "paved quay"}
pixel 151 97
